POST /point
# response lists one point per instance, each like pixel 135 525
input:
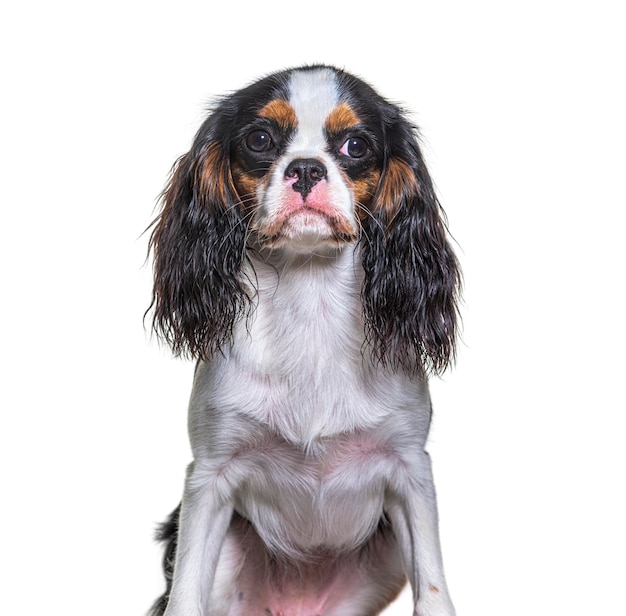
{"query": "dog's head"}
pixel 306 160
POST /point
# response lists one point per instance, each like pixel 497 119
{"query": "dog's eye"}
pixel 259 141
pixel 355 147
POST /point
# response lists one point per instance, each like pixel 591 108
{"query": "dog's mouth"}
pixel 307 225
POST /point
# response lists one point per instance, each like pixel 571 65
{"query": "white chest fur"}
pixel 297 410
pixel 299 364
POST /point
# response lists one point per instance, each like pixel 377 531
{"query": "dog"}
pixel 302 258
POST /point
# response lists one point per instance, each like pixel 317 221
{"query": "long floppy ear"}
pixel 412 278
pixel 199 245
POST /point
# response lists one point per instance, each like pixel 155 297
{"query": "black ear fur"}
pixel 412 278
pixel 199 247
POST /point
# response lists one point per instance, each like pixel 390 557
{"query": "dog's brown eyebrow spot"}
pixel 281 112
pixel 340 118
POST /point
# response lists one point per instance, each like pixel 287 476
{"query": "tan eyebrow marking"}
pixel 341 118
pixel 281 112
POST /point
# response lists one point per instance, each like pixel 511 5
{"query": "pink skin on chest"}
pixel 322 580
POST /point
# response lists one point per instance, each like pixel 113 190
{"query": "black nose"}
pixel 308 171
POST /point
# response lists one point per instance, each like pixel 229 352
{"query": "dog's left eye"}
pixel 259 141
pixel 355 147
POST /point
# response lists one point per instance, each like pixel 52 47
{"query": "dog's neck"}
pixel 308 295
pixel 305 340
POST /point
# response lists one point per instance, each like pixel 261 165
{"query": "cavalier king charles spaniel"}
pixel 301 257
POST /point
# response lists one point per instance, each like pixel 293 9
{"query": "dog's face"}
pixel 307 161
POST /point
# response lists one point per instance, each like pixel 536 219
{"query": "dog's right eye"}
pixel 259 141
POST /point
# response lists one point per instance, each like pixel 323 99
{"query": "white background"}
pixel 522 111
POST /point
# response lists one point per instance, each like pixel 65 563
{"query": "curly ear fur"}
pixel 412 278
pixel 199 246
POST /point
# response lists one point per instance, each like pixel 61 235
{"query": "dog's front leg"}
pixel 205 517
pixel 413 515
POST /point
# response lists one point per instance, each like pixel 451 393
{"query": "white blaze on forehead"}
pixel 313 95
